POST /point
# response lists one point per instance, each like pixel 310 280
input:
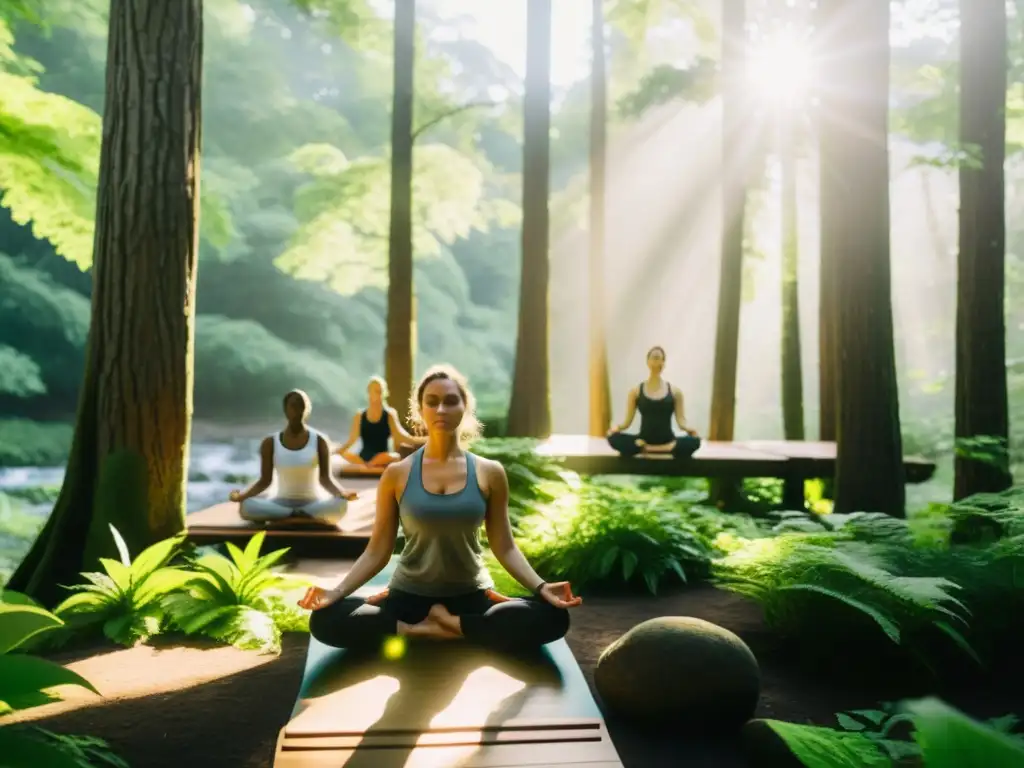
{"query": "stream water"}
pixel 215 468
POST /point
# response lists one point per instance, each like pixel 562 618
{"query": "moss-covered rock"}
pixel 680 672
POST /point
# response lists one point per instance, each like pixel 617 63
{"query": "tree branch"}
pixel 449 113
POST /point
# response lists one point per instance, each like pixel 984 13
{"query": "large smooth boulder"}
pixel 682 672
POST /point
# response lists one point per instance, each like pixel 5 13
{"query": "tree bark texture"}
pixel 792 365
pixel 399 353
pixel 529 413
pixel 600 395
pixel 855 157
pixel 129 457
pixel 735 177
pixel 981 387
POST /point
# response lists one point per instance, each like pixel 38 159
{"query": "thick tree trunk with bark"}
pixel 529 412
pixel 399 350
pixel 855 154
pixel 981 389
pixel 826 36
pixel 129 457
pixel 792 366
pixel 735 176
pixel 600 396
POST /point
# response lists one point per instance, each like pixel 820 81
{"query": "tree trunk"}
pixel 735 177
pixel 792 367
pixel 826 36
pixel 869 466
pixel 600 396
pixel 399 350
pixel 129 457
pixel 529 412
pixel 981 396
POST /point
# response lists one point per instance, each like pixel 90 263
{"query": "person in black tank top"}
pixel 373 427
pixel 657 403
pixel 441 497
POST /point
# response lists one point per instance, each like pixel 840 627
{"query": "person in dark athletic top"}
pixel 442 495
pixel 657 402
pixel 373 426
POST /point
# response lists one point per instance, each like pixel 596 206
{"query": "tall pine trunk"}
pixel 735 177
pixel 827 36
pixel 600 396
pixel 792 367
pixel 129 457
pixel 529 412
pixel 400 348
pixel 869 466
pixel 981 396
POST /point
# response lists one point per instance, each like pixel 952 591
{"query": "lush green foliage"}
pixel 125 600
pixel 238 600
pixel 27 681
pixel 18 530
pixel 942 737
pixel 25 443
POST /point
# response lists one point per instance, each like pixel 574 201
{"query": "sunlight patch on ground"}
pixel 143 671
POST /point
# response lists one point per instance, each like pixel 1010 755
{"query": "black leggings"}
pixel 625 443
pixel 515 624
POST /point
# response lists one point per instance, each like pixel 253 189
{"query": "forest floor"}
pixel 222 707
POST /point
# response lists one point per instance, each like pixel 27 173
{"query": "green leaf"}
pixel 122 548
pixel 155 556
pixel 85 601
pixel 21 748
pixel 252 549
pixel 961 641
pixel 887 625
pixel 161 583
pixel 119 573
pixel 826 748
pixel 950 739
pixel 11 597
pixel 629 563
pixel 18 623
pixel 848 723
pixel 23 678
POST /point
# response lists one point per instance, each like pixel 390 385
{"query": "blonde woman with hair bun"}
pixel 373 426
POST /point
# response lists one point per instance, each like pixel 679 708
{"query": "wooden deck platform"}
pixel 790 461
pixel 443 705
pixel 221 522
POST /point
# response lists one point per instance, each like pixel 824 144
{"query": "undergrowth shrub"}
pixel 238 600
pixel 939 737
pixel 533 479
pixel 28 681
pixel 605 534
pixel 125 600
pixel 798 577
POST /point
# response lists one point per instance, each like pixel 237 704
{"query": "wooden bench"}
pixel 443 705
pixel 221 522
pixel 790 461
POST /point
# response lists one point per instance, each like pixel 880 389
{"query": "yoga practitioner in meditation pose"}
pixel 373 426
pixel 441 589
pixel 300 457
pixel 657 402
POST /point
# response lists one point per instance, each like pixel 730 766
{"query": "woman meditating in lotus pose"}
pixel 301 459
pixel 657 402
pixel 441 589
pixel 373 426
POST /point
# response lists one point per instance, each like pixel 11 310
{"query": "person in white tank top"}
pixel 299 456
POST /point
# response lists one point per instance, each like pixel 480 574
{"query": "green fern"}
pixel 125 600
pixel 238 600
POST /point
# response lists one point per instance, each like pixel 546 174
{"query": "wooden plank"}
pixel 817 458
pixel 441 704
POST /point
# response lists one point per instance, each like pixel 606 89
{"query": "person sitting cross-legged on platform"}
pixel 300 457
pixel 657 402
pixel 373 426
pixel 442 495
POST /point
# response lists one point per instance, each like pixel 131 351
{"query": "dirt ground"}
pixel 191 707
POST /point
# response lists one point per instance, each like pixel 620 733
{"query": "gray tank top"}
pixel 442 556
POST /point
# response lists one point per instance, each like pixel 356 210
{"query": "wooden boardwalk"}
pixel 790 461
